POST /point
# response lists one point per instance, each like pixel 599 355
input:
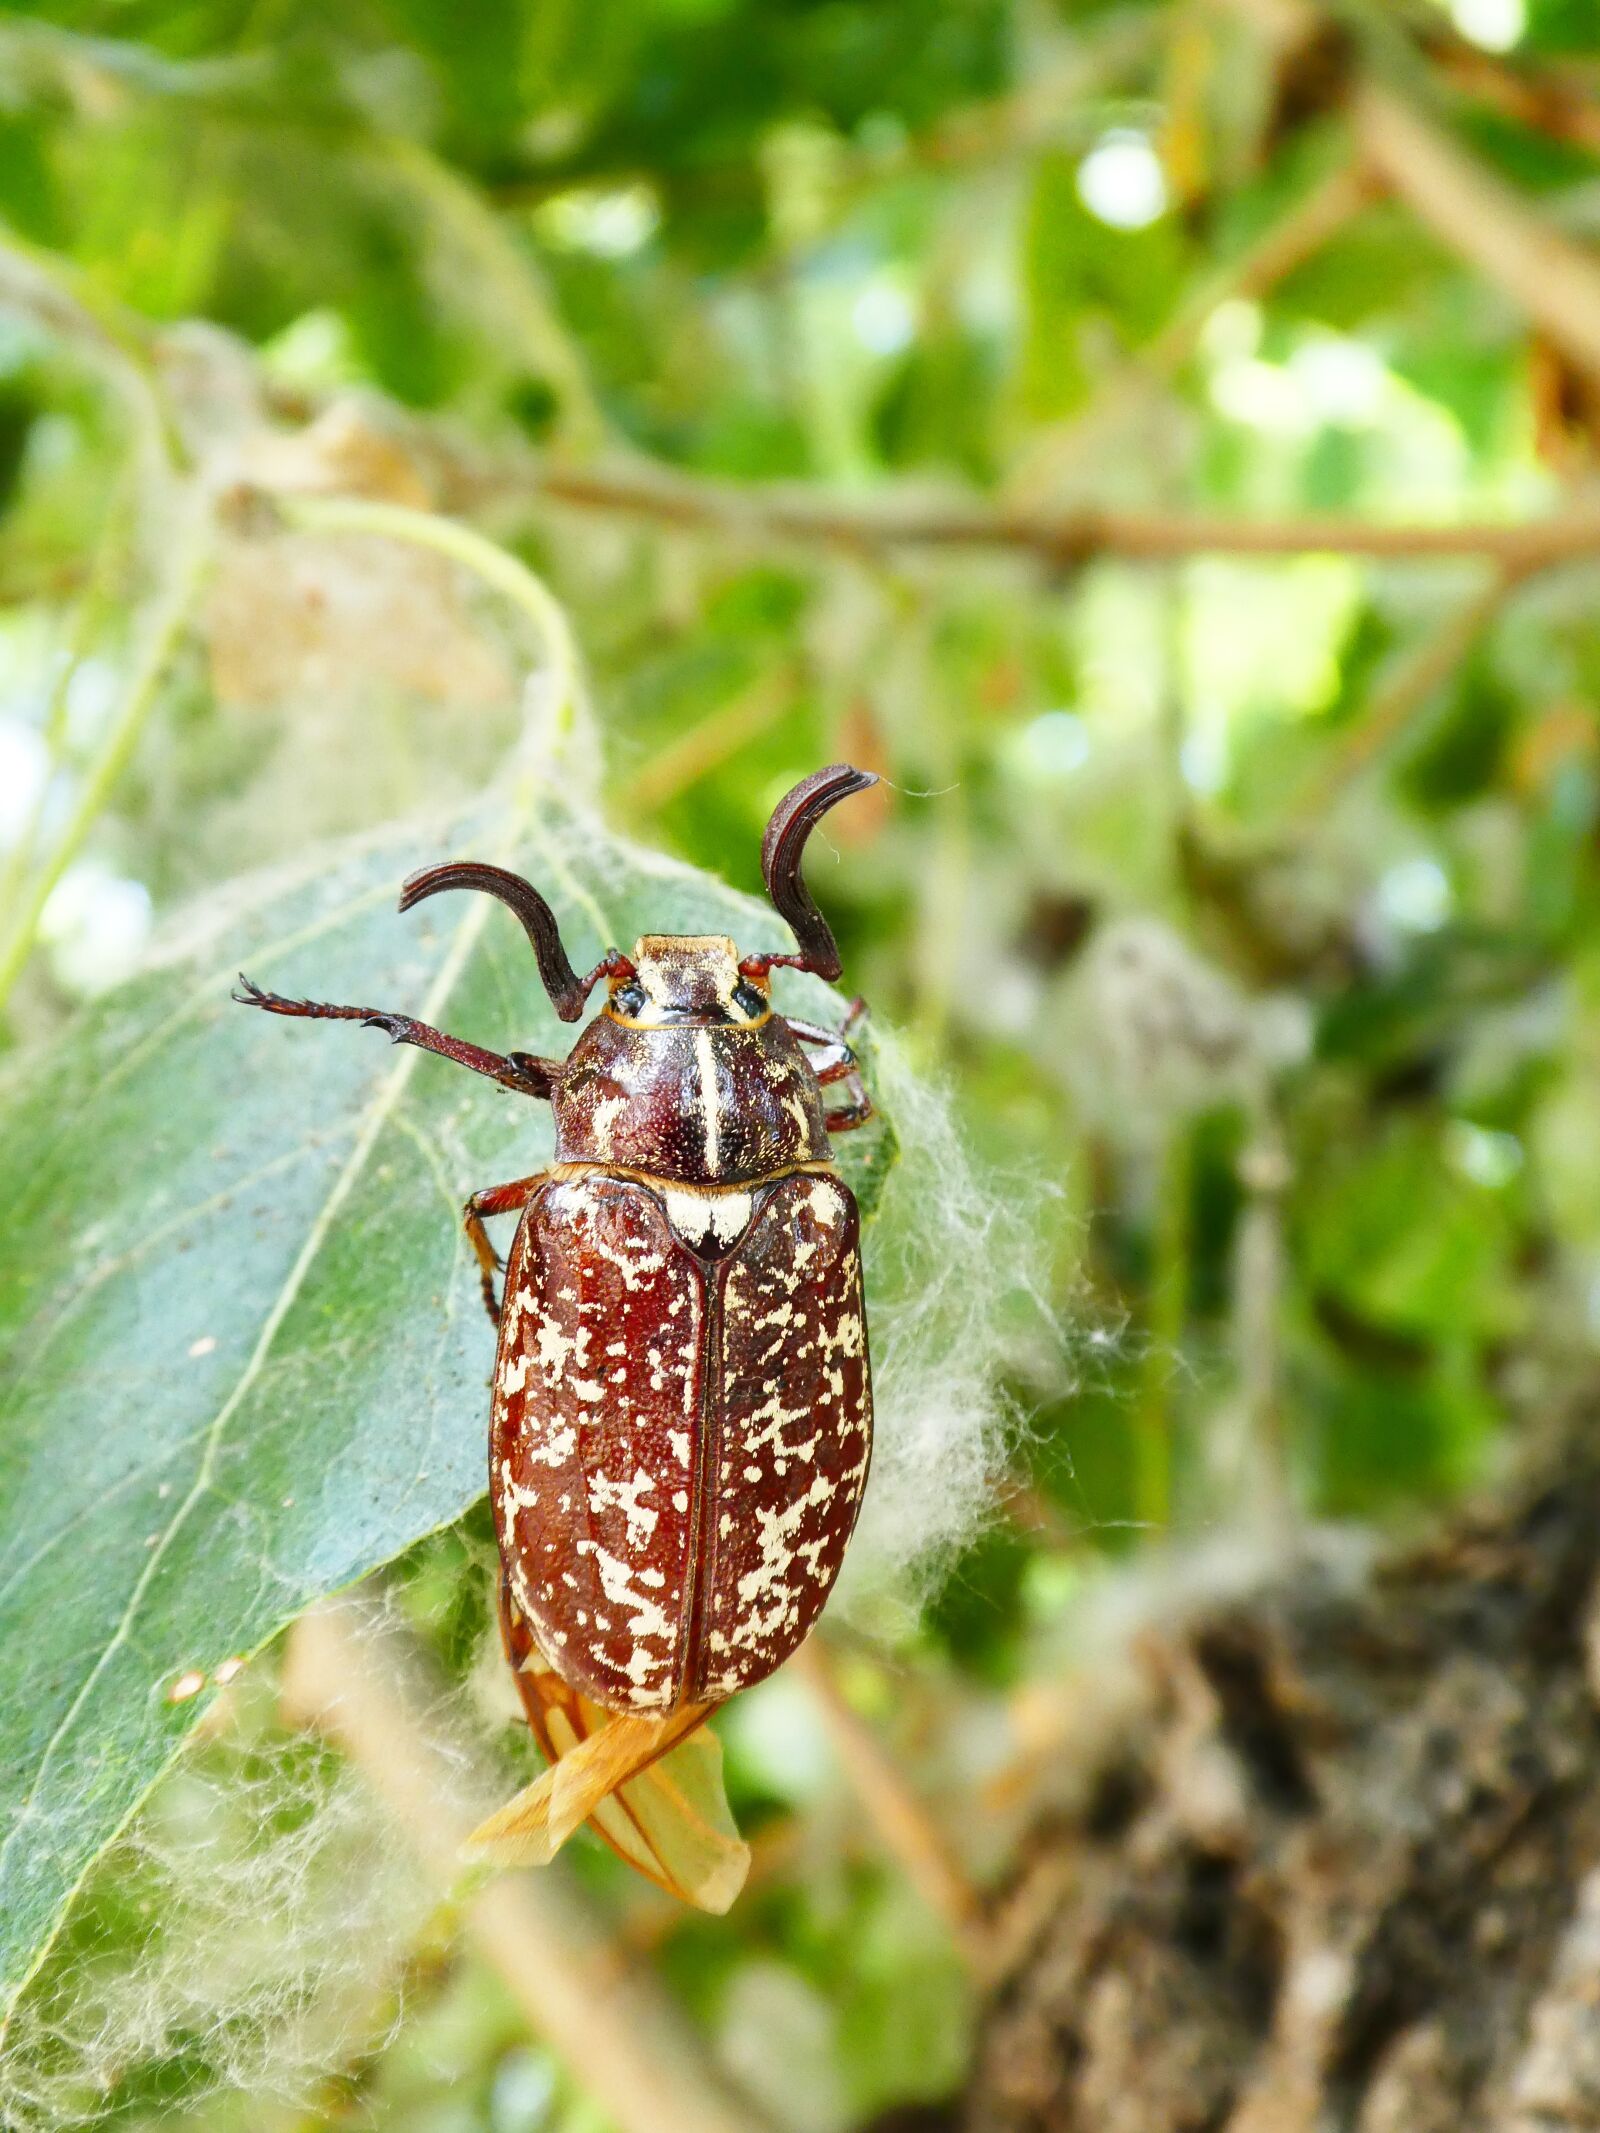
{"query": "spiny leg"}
pixel 495 1200
pixel 836 1061
pixel 513 1070
pixel 855 1113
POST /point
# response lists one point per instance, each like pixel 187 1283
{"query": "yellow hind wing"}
pixel 651 1788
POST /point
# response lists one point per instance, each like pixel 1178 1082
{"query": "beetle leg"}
pixel 837 1062
pixel 852 1114
pixel 495 1200
pixel 513 1070
pixel 834 1058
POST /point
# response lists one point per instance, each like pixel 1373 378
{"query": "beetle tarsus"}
pixel 849 1116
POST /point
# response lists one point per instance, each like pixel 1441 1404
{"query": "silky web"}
pixel 249 1934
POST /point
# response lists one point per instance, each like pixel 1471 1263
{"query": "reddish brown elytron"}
pixel 682 1417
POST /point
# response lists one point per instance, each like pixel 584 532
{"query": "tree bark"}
pixel 1341 1874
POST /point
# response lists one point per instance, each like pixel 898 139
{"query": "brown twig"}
pixel 1546 99
pixel 908 1832
pixel 699 751
pixel 1064 538
pixel 471 480
pixel 1392 706
pixel 1552 280
pixel 610 2025
pixel 1310 223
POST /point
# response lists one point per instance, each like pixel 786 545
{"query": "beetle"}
pixel 681 1421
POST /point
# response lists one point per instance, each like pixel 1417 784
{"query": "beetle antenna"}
pixel 567 990
pixel 793 819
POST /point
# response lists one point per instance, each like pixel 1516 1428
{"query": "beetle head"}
pixel 686 977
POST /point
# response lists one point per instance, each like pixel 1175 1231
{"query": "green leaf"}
pixel 242 1353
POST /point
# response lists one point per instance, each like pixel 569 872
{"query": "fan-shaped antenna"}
pixel 793 819
pixel 567 990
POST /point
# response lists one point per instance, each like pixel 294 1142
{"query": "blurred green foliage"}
pixel 1250 903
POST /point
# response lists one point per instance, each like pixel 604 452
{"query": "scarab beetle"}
pixel 682 1419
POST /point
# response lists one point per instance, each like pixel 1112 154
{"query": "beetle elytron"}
pixel 681 1420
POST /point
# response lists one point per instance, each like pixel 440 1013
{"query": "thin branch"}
pixel 894 516
pixel 889 519
pixel 1288 243
pixel 1546 99
pixel 1311 222
pixel 1551 280
pixel 902 1822
pixel 609 2024
pixel 1393 705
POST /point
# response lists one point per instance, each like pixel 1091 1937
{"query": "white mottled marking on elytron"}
pixel 824 1202
pixel 632 1264
pixel 679 1440
pixel 513 1375
pixel 647 1625
pixel 783 1551
pixel 513 1496
pixel 680 1499
pixel 624 1496
pixel 557 1348
pixel 518 1572
pixel 557 1448
pixel 705 1053
pixel 778 1530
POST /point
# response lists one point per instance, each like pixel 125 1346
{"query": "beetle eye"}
pixel 630 1000
pixel 748 1000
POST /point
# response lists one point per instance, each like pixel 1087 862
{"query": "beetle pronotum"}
pixel 682 1418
